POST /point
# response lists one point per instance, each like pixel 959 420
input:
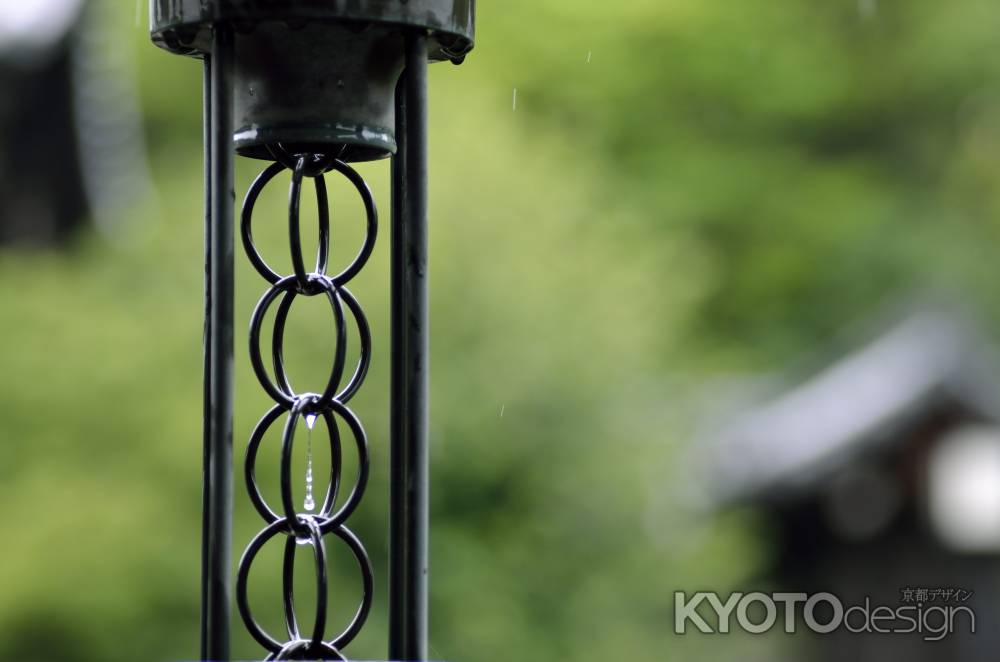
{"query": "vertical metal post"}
pixel 218 491
pixel 206 138
pixel 409 478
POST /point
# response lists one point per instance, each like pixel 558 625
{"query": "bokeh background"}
pixel 685 196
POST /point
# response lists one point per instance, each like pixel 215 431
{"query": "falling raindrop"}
pixel 309 504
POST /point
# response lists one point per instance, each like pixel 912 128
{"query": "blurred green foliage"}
pixel 685 190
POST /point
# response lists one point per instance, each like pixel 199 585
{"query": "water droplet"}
pixel 309 503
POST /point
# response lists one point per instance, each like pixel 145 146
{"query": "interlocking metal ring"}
pixel 317 163
pixel 246 223
pixel 326 514
pixel 364 339
pixel 300 649
pixel 371 214
pixel 315 540
pixel 243 574
pixel 285 286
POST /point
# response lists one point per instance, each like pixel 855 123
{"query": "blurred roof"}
pixel 862 403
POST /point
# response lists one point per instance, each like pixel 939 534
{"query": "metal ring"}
pixel 294 236
pixel 250 465
pixel 367 582
pixel 327 522
pixel 319 164
pixel 302 645
pixel 277 393
pixel 297 526
pixel 371 230
pixel 365 346
pixel 326 518
pixel 246 224
pixel 371 214
pixel 364 340
pixel 243 574
pixel 315 539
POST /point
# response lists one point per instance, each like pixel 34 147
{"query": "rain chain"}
pixel 310 527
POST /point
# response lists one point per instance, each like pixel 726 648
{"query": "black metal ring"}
pixel 371 230
pixel 297 526
pixel 318 164
pixel 285 286
pixel 327 522
pixel 364 340
pixel 294 237
pixel 243 574
pixel 367 586
pixel 301 646
pixel 364 346
pixel 315 540
pixel 326 518
pixel 371 214
pixel 246 224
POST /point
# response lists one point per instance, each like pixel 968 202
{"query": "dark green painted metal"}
pixel 183 26
pixel 409 479
pixel 318 85
pixel 317 76
pixel 217 541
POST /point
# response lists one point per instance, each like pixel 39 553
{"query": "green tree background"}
pixel 686 190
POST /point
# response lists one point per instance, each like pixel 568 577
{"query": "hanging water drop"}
pixel 309 504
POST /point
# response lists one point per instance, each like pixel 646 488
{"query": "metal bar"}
pixel 219 406
pixel 397 441
pixel 206 334
pixel 410 344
